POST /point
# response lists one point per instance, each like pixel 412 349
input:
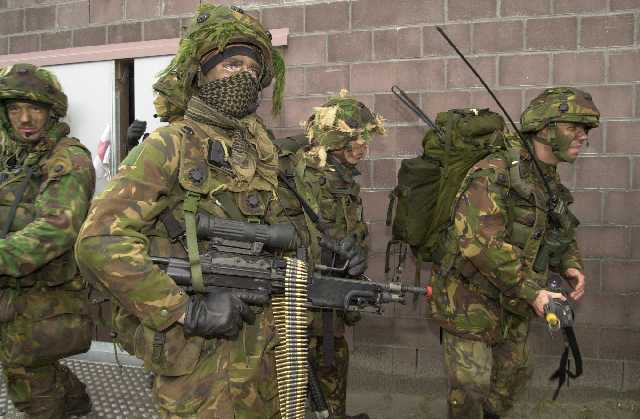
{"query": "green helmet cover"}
pixel 341 120
pixel 171 100
pixel 560 104
pixel 216 27
pixel 28 82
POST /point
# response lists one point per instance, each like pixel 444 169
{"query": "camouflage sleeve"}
pixel 572 258
pixel 112 251
pixel 480 223
pixel 61 207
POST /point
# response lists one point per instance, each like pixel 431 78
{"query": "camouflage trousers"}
pixel 38 327
pixel 232 379
pixel 46 392
pixel 485 377
pixel 333 379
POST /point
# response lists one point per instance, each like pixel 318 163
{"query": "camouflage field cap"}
pixel 560 104
pixel 28 82
pixel 341 120
pixel 214 28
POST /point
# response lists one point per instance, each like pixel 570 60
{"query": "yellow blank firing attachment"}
pixel 552 321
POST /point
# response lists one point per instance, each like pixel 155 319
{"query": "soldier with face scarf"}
pixel 212 354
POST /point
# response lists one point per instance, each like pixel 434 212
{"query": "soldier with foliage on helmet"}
pixel 321 166
pixel 46 184
pixel 500 249
pixel 212 354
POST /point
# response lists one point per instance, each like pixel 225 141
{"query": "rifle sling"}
pixel 190 209
pixel 563 373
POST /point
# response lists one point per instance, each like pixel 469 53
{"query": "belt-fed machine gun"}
pixel 243 256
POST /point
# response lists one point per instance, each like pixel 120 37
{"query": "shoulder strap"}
pixel 190 209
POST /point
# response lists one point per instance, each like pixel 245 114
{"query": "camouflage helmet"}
pixel 341 120
pixel 171 100
pixel 28 82
pixel 560 104
pixel 216 27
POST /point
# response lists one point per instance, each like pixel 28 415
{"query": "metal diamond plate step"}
pixel 117 392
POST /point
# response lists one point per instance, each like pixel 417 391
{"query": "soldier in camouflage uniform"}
pixel 46 183
pixel 500 249
pixel 322 164
pixel 218 159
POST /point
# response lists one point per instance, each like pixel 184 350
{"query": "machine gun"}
pixel 241 256
pixel 244 256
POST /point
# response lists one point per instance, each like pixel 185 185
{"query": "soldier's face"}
pixel 575 135
pixel 234 65
pixel 356 151
pixel 28 119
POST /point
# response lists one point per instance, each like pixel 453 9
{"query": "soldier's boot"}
pixel 358 416
pixel 489 415
pixel 76 400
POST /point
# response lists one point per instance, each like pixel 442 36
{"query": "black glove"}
pixel 135 131
pixel 358 263
pixel 220 314
pixel 349 249
pixel 351 317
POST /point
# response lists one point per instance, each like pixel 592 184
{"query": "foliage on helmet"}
pixel 341 120
pixel 560 104
pixel 216 27
pixel 28 82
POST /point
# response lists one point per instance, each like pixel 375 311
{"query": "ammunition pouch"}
pixel 168 352
pixel 555 244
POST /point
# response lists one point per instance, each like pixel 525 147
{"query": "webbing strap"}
pixel 564 373
pixel 190 208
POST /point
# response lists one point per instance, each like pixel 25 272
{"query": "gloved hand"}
pixel 350 249
pixel 351 317
pixel 135 131
pixel 220 314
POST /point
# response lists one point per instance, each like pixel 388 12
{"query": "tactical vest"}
pixel 528 228
pixel 49 167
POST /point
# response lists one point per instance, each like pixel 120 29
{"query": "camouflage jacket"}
pixel 123 230
pixel 333 193
pixel 499 234
pixel 39 246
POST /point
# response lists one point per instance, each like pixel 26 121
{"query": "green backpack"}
pixel 428 184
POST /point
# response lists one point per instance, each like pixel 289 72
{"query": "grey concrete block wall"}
pixel 520 46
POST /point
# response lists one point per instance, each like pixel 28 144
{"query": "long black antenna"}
pixel 526 145
pixel 404 98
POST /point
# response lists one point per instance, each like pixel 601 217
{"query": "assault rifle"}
pixel 241 256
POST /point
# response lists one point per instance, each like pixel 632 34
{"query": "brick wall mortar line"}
pixel 445 15
pixel 55 17
pixel 498 8
pixel 304 18
pixel 634 101
pixel 350 12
